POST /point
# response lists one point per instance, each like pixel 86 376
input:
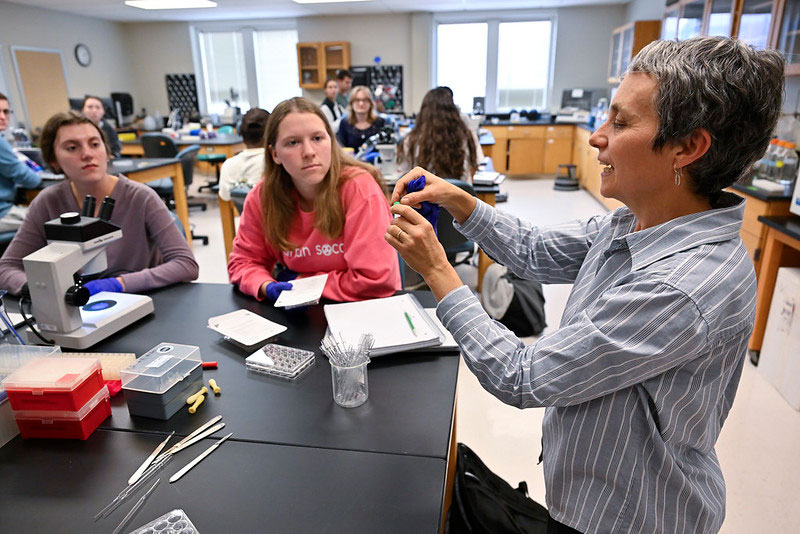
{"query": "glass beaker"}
pixel 350 388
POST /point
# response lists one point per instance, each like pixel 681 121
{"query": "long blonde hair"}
pixel 372 114
pixel 278 204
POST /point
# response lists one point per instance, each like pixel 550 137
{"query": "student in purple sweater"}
pixel 152 252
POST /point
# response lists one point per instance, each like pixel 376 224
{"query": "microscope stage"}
pixel 106 313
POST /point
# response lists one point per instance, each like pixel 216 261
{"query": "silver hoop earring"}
pixel 678 173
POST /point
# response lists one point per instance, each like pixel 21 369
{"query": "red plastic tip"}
pixel 209 365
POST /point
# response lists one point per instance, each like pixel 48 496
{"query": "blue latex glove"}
pixel 103 284
pixel 273 289
pixel 428 210
pixel 285 275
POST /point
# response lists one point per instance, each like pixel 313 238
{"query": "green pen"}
pixel 410 324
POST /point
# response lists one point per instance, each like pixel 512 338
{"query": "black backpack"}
pixel 484 503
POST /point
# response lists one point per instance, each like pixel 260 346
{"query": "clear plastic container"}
pixel 161 367
pixel 280 361
pixel 65 424
pixel 174 522
pixel 54 384
pixel 12 357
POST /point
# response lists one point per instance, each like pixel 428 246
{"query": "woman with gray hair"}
pixel 640 375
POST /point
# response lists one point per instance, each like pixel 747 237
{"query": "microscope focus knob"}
pixel 70 217
pixel 77 296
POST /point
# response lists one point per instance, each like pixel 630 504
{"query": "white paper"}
pixel 449 340
pixel 304 291
pixel 386 320
pixel 245 327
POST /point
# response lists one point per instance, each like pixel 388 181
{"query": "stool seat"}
pixel 212 159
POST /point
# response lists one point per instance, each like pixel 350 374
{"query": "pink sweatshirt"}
pixel 360 263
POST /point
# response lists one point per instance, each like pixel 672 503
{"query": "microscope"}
pixel 63 309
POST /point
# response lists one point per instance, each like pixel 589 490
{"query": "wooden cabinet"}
pixel 317 62
pixel 749 20
pixel 589 169
pixel 753 232
pixel 626 41
pixel 499 151
pixel 557 147
pixel 786 33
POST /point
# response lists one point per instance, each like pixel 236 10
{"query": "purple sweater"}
pixel 152 252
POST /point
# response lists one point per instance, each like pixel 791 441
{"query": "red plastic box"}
pixel 54 384
pixel 65 425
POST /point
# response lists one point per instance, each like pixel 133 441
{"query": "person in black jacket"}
pixel 330 107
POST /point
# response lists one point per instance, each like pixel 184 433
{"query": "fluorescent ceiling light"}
pixel 170 4
pixel 326 1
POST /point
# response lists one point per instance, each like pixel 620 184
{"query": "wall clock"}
pixel 82 55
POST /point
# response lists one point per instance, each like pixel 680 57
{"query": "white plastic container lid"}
pixel 60 374
pixel 161 367
pixel 65 415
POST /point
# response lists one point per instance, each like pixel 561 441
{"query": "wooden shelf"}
pixel 316 62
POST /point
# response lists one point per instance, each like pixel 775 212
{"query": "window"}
pixel 461 61
pixel 507 62
pixel 276 67
pixel 247 67
pixel 223 70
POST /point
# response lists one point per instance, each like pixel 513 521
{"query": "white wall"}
pixel 645 10
pixel 583 47
pixel 44 28
pixel 156 49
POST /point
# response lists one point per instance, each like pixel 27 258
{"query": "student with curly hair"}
pixel 440 141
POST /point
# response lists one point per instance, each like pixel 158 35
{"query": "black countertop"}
pixel 760 194
pixel 788 224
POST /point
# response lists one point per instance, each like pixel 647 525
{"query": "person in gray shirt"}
pixel 641 374
pixel 93 108
pixel 152 252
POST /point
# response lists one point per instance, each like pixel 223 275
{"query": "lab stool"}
pixel 214 159
pixel 566 182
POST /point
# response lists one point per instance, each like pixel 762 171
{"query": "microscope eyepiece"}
pixel 106 208
pixel 89 203
pixel 70 217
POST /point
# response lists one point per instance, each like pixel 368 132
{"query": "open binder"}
pixel 386 320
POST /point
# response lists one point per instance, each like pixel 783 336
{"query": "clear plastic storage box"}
pixel 160 368
pixel 54 384
pixel 158 383
pixel 12 357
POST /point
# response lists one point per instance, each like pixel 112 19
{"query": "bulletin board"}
pixel 182 94
pixel 387 80
pixel 42 84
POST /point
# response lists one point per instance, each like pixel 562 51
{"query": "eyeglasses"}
pixel 362 100
pixel 6 111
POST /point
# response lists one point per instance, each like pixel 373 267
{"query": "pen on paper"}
pixel 410 324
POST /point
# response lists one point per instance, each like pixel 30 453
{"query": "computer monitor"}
pixel 123 106
pixel 76 104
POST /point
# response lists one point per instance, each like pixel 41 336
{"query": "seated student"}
pixel 13 174
pixel 440 141
pixel 93 108
pixel 247 167
pixel 316 211
pixel 330 107
pixel 152 251
pixel 362 120
pixel 345 80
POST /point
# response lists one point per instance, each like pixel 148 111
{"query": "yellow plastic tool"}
pixel 192 398
pixel 193 408
pixel 214 386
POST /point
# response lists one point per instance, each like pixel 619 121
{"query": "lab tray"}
pixel 65 425
pixel 54 384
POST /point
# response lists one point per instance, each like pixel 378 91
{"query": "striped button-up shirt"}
pixel 642 372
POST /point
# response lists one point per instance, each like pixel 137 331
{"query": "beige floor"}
pixel 759 448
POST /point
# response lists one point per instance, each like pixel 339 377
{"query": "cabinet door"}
pixel 616 47
pixel 754 22
pixel 627 50
pixel 556 152
pixel 691 19
pixel 525 155
pixel 499 151
pixel 789 35
pixel 720 18
pixel 309 62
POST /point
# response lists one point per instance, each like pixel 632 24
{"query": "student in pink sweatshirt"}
pixel 316 211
